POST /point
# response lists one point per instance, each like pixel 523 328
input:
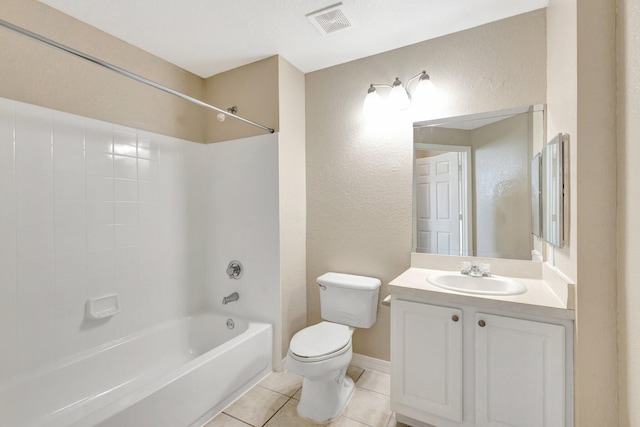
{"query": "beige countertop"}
pixel 540 298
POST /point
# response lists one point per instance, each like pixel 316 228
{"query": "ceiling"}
pixel 207 37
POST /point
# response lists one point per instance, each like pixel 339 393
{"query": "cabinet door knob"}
pixel 481 323
pixel 455 318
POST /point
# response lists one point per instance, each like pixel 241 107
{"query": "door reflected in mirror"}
pixel 472 189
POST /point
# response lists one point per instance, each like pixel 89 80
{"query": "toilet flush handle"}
pixel 323 287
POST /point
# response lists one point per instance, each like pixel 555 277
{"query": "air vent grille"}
pixel 330 19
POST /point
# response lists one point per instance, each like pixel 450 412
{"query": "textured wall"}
pixel 253 89
pixel 359 176
pixel 34 73
pixel 581 100
pixel 628 207
pixel 293 201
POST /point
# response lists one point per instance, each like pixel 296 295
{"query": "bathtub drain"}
pixel 230 324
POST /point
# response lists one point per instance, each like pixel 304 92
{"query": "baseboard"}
pixel 366 362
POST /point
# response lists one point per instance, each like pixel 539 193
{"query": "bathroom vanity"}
pixel 467 359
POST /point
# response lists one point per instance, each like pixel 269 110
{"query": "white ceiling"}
pixel 207 37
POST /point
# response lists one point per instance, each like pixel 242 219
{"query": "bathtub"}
pixel 180 373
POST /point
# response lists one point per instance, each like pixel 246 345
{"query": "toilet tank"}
pixel 349 299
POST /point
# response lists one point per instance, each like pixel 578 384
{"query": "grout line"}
pixel 389 420
pixel 279 409
pixel 230 416
pixel 275 391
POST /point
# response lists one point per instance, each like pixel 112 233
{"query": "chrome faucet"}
pixel 231 298
pixel 484 270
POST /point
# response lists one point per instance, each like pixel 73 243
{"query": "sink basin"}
pixel 493 285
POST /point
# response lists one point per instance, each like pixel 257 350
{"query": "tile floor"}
pixel 272 403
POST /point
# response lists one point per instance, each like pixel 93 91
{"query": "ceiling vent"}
pixel 330 19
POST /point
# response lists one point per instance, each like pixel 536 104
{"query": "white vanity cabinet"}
pixel 426 367
pixel 519 372
pixel 463 366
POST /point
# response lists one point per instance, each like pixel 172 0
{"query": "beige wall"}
pixel 581 97
pixel 628 23
pixel 359 188
pixel 293 200
pixel 37 74
pixel 253 88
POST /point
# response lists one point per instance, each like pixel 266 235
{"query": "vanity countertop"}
pixel 540 298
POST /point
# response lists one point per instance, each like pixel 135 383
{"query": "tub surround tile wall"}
pixel 87 209
pixel 243 224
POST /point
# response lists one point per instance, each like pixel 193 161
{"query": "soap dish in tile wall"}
pixel 102 307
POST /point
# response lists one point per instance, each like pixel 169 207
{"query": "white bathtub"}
pixel 177 374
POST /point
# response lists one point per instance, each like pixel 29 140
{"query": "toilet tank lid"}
pixel 343 280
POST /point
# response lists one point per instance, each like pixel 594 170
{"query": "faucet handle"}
pixel 466 268
pixel 485 269
pixel 234 270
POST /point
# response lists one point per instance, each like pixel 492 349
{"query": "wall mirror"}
pixel 552 184
pixel 472 183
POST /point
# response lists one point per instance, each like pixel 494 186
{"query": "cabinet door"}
pixel 426 361
pixel 520 373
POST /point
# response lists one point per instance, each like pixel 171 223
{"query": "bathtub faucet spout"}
pixel 233 297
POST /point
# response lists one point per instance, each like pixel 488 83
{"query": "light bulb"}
pixel 372 106
pixel 425 91
pixel 399 98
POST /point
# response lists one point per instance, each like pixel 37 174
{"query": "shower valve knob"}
pixel 234 270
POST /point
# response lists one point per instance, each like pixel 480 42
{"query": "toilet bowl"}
pixel 322 352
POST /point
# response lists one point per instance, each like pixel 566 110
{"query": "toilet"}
pixel 321 353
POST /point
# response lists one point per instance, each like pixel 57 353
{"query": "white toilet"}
pixel 321 353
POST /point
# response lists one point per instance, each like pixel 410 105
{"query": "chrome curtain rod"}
pixel 124 72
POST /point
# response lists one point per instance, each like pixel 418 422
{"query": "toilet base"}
pixel 323 400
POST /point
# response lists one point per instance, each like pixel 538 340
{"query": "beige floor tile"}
pixel 224 420
pixel 375 381
pixel 347 422
pixel 285 382
pixel 354 372
pixel 257 406
pixel 288 417
pixel 368 407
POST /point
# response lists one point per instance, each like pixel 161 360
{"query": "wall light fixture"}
pixel 399 97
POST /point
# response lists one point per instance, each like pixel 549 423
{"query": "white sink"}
pixel 493 285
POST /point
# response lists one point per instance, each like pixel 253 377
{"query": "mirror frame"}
pixel 553 192
pixel 536 195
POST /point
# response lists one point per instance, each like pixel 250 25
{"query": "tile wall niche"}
pixel 88 208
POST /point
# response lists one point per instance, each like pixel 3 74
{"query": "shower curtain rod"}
pixel 124 72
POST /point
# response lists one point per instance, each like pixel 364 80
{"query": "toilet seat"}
pixel 319 342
